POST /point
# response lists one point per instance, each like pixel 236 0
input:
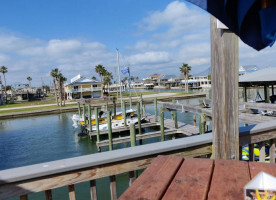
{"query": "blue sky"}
pixel 153 36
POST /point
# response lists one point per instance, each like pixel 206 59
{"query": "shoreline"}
pixel 46 111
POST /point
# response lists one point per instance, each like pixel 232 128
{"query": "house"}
pixel 170 81
pixel 22 92
pixel 82 87
pixel 154 78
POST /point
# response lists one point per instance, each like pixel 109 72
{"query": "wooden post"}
pixel 93 190
pixel 114 108
pixel 97 125
pixel 139 119
pixel 266 93
pixel 83 113
pixel 201 123
pixel 109 127
pixel 79 109
pixel 224 62
pixel 161 112
pixel 130 102
pixel 245 94
pixel 124 113
pixel 71 192
pixel 155 109
pixel 132 135
pixel 272 89
pixel 272 150
pixel 48 195
pixel 141 102
pixel 89 118
pixel 175 116
pixel 113 191
pixel 194 120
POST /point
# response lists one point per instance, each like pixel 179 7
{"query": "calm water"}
pixel 33 140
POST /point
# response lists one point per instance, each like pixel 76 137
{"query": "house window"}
pixel 76 87
pixel 94 86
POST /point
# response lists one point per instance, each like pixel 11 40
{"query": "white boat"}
pixel 102 117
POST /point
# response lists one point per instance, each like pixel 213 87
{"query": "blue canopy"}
pixel 256 26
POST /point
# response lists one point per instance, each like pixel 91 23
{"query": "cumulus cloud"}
pixel 149 58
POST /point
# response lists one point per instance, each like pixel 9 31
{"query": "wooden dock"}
pixel 183 129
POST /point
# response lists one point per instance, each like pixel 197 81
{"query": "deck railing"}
pixel 68 172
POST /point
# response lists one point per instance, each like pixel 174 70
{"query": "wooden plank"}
pixel 113 190
pixel 192 180
pixel 226 184
pixel 256 168
pixel 93 190
pixel 48 195
pixel 72 195
pixel 152 183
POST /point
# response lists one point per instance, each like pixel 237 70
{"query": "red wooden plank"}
pixel 255 168
pixel 192 180
pixel 153 182
pixel 229 178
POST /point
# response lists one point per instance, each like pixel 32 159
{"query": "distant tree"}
pixel 107 79
pixel 61 79
pixel 4 70
pixel 100 69
pixel 185 68
pixel 8 87
pixel 29 79
pixel 54 73
pixel 94 78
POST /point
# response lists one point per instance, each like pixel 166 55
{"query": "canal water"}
pixel 32 140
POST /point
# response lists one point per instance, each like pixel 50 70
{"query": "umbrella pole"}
pixel 224 62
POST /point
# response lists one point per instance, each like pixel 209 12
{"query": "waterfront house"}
pixel 82 87
pixel 154 79
pixel 198 82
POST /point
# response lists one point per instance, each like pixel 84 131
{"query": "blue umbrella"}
pixel 254 21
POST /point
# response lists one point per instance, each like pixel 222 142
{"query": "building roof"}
pixel 248 69
pixel 156 76
pixel 83 81
pixel 166 77
pixel 260 77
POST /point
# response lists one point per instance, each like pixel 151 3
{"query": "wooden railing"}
pixel 68 172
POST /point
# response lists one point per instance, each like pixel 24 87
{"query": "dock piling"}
pixel 79 109
pixel 97 125
pixel 139 119
pixel 155 109
pixel 132 134
pixel 194 120
pixel 174 113
pixel 89 118
pixel 202 123
pixel 124 113
pixel 141 102
pixel 83 113
pixel 161 112
pixel 109 127
pixel 114 108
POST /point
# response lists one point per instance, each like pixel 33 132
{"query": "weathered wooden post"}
pixel 201 123
pixel 114 108
pixel 97 125
pixel 124 113
pixel 132 135
pixel 224 62
pixel 89 118
pixel 139 119
pixel 155 109
pixel 266 93
pixel 161 113
pixel 132 174
pixel 194 117
pixel 175 116
pixel 79 109
pixel 109 127
pixel 245 94
pixel 83 113
pixel 130 102
pixel 141 102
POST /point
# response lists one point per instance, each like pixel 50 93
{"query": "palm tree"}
pixel 61 79
pixel 1 90
pixel 100 69
pixel 107 79
pixel 4 70
pixel 185 68
pixel 94 78
pixel 29 79
pixel 54 73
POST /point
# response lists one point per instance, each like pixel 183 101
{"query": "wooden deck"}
pixel 172 177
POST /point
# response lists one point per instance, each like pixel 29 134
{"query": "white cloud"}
pixel 149 58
